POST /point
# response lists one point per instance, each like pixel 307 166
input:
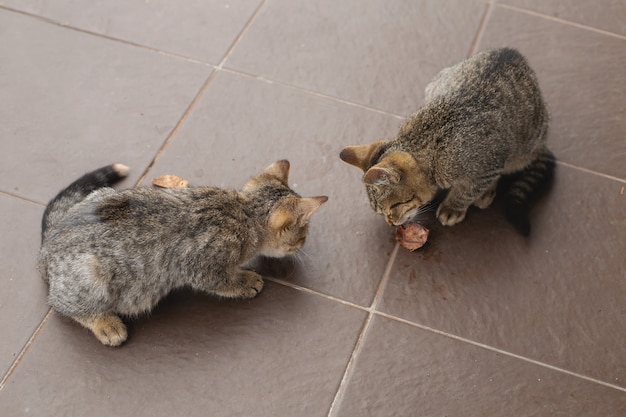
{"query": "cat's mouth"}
pixel 406 217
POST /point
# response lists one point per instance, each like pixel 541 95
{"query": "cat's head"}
pixel 396 185
pixel 289 214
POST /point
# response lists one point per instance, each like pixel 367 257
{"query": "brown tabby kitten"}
pixel 106 253
pixel 484 120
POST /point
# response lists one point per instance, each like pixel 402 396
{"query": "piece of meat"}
pixel 170 181
pixel 412 237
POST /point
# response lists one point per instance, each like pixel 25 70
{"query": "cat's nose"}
pixel 389 220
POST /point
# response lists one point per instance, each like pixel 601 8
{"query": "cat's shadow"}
pixel 484 243
pixel 191 317
pixel 285 269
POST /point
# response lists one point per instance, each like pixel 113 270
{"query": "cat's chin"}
pixel 275 253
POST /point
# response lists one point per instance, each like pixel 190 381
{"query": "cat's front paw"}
pixel 252 284
pixel 243 284
pixel 450 217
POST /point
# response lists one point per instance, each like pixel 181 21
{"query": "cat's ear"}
pixel 279 169
pixel 382 175
pixel 306 206
pixel 294 211
pixel 360 155
pixel 391 169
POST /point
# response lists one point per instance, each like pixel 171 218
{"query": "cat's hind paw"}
pixel 450 217
pixel 485 200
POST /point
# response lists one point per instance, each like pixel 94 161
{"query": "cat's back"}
pixel 147 214
pixel 490 99
pixel 495 74
pixel 486 110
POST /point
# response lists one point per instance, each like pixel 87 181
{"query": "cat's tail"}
pixel 521 188
pixel 77 191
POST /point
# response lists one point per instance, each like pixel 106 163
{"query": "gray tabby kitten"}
pixel 106 253
pixel 484 120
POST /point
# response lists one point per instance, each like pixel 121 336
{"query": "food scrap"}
pixel 170 181
pixel 412 236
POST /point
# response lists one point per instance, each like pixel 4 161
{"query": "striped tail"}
pixel 77 191
pixel 524 186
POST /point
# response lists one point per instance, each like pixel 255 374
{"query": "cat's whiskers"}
pixel 301 251
pixel 421 210
pixel 297 259
pixel 425 208
pixel 293 260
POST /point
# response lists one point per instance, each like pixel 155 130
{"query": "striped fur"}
pixel 483 128
pixel 77 192
pixel 523 187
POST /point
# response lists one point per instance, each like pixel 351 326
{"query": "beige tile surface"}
pixel 479 322
pixel 416 372
pixel 198 29
pixel 375 52
pixel 74 102
pixel 22 291
pixel 607 15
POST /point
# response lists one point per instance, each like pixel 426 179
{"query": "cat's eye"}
pixel 288 226
pixel 401 203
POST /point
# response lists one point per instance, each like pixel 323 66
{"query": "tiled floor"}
pixel 481 322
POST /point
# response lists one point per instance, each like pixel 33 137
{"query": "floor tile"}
pixel 601 14
pixel 583 80
pixel 198 29
pixel 281 354
pixel 488 323
pixel 22 292
pixel 74 102
pixel 556 296
pixel 375 52
pixel 241 125
pixel 404 371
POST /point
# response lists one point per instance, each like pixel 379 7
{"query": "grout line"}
pixel 312 93
pixel 359 343
pixel 381 286
pixel 371 312
pixel 27 200
pixel 385 278
pixel 241 34
pixel 104 36
pixel 481 29
pixel 199 95
pixel 176 128
pixel 334 405
pixel 563 21
pixel 500 351
pixel 589 171
pixel 316 293
pixel 219 67
pixel 25 349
